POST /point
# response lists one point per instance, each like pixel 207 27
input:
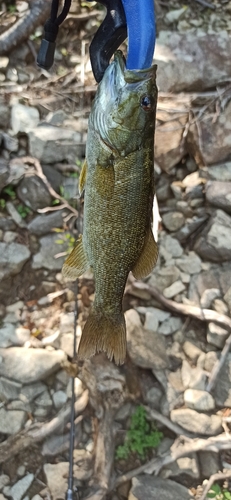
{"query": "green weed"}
pixel 23 210
pixel 218 493
pixel 10 191
pixel 141 436
pixel 2 203
pixel 66 237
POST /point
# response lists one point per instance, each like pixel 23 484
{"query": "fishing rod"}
pixel 72 493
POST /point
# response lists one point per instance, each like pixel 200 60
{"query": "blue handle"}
pixel 140 17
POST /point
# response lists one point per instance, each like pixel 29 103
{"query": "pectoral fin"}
pixel 147 259
pixel 105 181
pixel 82 177
pixel 76 264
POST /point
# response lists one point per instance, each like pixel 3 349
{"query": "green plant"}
pixel 141 436
pixel 2 203
pixel 66 237
pixel 23 210
pixel 218 493
pixel 10 191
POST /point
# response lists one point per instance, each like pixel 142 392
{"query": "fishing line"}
pixel 73 494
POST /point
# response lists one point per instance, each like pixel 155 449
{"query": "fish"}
pixel 117 178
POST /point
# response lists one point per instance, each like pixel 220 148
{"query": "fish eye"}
pixel 146 103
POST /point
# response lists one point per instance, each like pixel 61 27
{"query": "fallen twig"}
pixel 214 443
pixel 206 4
pixel 218 365
pixel 215 477
pixel 38 432
pixel 155 415
pixel 39 173
pixel 185 309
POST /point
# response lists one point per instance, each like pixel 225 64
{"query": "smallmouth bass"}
pixel 118 179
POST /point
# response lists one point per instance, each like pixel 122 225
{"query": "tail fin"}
pixel 104 332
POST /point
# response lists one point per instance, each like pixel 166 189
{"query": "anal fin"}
pixel 76 263
pixel 148 257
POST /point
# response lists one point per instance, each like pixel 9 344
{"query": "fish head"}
pixel 124 109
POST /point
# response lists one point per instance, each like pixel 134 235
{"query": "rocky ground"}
pixel 178 321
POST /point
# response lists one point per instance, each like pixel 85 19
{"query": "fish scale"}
pixel 118 179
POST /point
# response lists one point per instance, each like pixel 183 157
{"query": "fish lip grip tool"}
pixel 132 18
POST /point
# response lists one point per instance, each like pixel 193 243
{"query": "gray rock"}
pixel 208 297
pixel 12 422
pixel 190 263
pixel 222 391
pixel 151 322
pixel 189 62
pixel 219 194
pixel 59 398
pixel 44 400
pixel 163 278
pixel 227 298
pixel 156 487
pixel 207 146
pixel 9 389
pixel 198 423
pixel 66 343
pixel 209 278
pixel 57 476
pixel 9 143
pixel 211 358
pixel 30 391
pixel 43 224
pixel 66 322
pixel 29 365
pixel 220 306
pixel 173 220
pixel 3 173
pixel 187 466
pixel 9 236
pixel 159 314
pixel 170 326
pixel 215 243
pixel 12 258
pixel 153 397
pixel 209 463
pixel 23 118
pixel 56 118
pixel 173 246
pixel 20 488
pixel 9 335
pixel 193 378
pixel 70 187
pixel 146 348
pixel 191 226
pixel 199 400
pixel 15 214
pixel 49 248
pixel 54 177
pixel 55 144
pixel 33 193
pixel 4 481
pixel 216 335
pixel 174 15
pixel 221 172
pixel 174 289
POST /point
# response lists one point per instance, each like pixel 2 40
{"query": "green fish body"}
pixel 118 179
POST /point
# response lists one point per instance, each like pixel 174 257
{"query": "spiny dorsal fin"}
pixel 82 177
pixel 147 259
pixel 76 264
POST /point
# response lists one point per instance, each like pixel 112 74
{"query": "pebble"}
pixel 215 242
pixel 170 326
pixel 191 350
pixel 222 391
pixel 174 15
pixel 193 378
pixel 9 389
pixel 216 335
pixel 55 144
pixel 227 298
pixel 59 399
pixel 173 246
pixel 23 118
pixel 31 391
pixel 153 397
pixel 33 192
pixel 198 423
pixel 173 220
pixel 43 224
pixel 174 289
pixel 163 278
pixel 12 421
pixel 56 476
pixel 151 322
pixel 4 481
pixel 9 236
pixel 220 306
pixel 210 359
pixel 190 263
pixel 158 313
pixel 21 470
pixel 29 365
pixel 199 400
pixel 186 466
pixel 20 488
pixel 44 400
